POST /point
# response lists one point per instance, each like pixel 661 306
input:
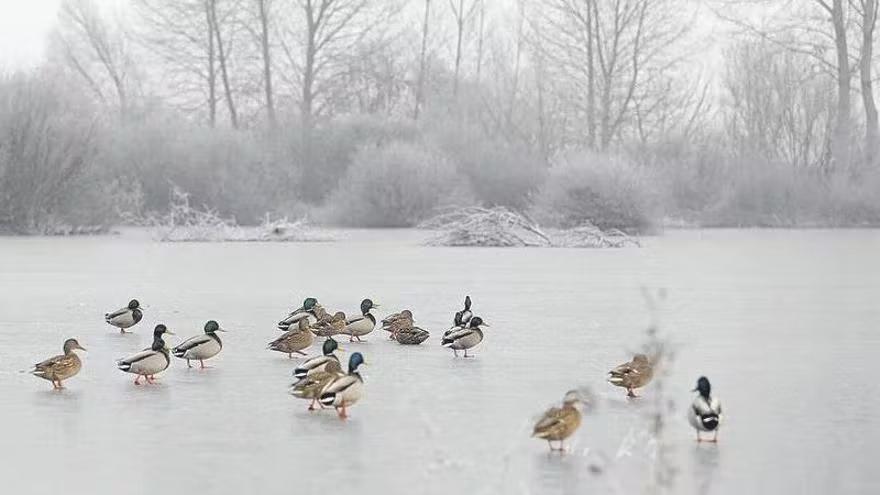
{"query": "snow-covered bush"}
pixel 396 185
pixel 605 191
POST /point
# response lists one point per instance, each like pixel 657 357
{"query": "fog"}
pixel 661 188
pixel 376 113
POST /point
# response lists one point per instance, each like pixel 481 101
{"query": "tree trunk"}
pixel 308 95
pixel 224 73
pixel 841 144
pixel 480 36
pixel 212 75
pixel 420 84
pixel 871 132
pixel 591 81
pixel 459 22
pixel 267 63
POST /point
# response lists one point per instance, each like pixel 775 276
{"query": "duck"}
pixel 559 423
pixel 201 347
pixel 126 317
pixel 294 340
pixel 361 325
pixel 329 325
pixel 311 385
pixel 412 336
pixel 318 363
pixel 345 390
pixel 396 322
pixel 149 361
pixel 465 338
pixel 306 311
pixel 705 411
pixel 60 367
pixel 462 317
pixel 633 374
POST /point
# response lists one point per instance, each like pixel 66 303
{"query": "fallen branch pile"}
pixel 500 227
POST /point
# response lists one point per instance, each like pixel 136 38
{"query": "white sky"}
pixel 24 25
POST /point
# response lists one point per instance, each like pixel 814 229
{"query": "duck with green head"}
pixel 201 347
pixel 306 311
pixel 359 326
pixel 150 361
pixel 705 411
pixel 318 363
pixel 60 367
pixel 126 317
pixel 465 338
pixel 316 373
pixel 344 390
pixel 462 317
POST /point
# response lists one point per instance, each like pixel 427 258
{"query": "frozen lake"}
pixel 786 324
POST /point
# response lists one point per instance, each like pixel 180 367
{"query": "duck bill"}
pixel 81 348
pixel 169 332
pixel 221 330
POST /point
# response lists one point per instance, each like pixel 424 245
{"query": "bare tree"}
pixel 843 130
pixel 263 14
pixel 815 29
pixel 319 39
pixel 97 51
pixel 44 149
pixel 223 51
pixel 868 20
pixel 779 109
pixel 194 39
pixel 605 52
pixel 462 10
pixel 420 81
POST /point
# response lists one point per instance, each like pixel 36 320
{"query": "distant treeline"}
pixel 376 113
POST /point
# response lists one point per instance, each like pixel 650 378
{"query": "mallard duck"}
pixel 558 423
pixel 705 412
pixel 329 325
pixel 294 340
pixel 311 385
pixel 344 390
pixel 149 361
pixel 60 367
pixel 465 338
pixel 201 347
pixel 361 325
pixel 307 311
pixel 464 316
pixel 126 317
pixel 318 363
pixel 632 375
pixel 396 322
pixel 412 336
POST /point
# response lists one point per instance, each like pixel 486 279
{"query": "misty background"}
pixel 632 114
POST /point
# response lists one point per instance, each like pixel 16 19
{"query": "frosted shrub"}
pixel 500 173
pixel 604 191
pixel 237 174
pixel 397 185
pixel 46 149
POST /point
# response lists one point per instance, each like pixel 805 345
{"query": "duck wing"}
pixel 114 314
pixel 190 343
pixel 56 364
pixel 452 336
